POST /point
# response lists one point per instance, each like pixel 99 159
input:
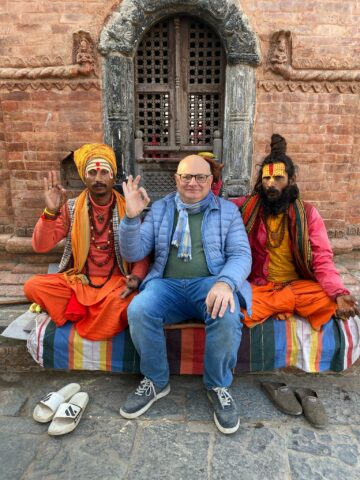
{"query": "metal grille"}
pixel 204 117
pixel 153 117
pixel 205 55
pixel 152 56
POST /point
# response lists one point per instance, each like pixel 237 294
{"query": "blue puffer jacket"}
pixel 225 242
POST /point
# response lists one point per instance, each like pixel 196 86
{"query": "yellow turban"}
pixel 206 154
pixel 90 150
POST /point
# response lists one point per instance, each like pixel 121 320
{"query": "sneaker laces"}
pixel 224 396
pixel 145 387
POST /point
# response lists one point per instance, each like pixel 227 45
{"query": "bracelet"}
pixel 46 212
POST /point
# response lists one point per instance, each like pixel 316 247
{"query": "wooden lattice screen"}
pixel 179 89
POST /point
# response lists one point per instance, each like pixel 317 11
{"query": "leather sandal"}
pixel 314 410
pixel 282 397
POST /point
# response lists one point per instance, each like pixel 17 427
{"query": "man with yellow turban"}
pixel 95 285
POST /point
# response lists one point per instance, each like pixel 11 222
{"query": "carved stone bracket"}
pixel 133 17
pixel 47 76
pixel 280 61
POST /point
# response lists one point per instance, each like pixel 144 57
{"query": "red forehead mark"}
pixel 271 169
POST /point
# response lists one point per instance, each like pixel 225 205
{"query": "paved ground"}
pixel 177 438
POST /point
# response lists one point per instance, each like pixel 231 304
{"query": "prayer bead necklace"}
pixel 107 278
pixel 109 247
pixel 274 238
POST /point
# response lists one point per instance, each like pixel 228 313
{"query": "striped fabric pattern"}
pixel 268 346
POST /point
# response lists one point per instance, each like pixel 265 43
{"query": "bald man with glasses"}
pixel 201 262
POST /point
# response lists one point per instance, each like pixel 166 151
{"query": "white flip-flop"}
pixel 46 408
pixel 68 415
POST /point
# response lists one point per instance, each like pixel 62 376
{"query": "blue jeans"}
pixel 169 301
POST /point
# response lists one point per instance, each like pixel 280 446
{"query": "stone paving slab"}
pixel 252 454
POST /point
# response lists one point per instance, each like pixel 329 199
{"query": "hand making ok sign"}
pixel 54 193
pixel 136 198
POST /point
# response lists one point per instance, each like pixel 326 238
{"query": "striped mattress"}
pixel 271 345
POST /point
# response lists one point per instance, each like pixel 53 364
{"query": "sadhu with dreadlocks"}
pixel 95 285
pixel 293 268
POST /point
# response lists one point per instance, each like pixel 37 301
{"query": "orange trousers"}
pixel 304 297
pixel 104 312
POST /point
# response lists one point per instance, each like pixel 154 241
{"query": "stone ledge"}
pixel 19 250
pixel 14 356
pixel 23 245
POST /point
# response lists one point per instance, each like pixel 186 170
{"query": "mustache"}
pixel 99 184
pixel 271 190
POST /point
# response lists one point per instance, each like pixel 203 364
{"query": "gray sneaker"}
pixel 225 412
pixel 141 400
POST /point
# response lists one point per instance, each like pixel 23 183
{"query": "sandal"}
pixel 314 410
pixel 69 414
pixel 46 408
pixel 282 397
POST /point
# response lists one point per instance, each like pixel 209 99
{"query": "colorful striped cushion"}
pixel 273 344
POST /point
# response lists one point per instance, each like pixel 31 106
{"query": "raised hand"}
pixel 54 193
pixel 136 197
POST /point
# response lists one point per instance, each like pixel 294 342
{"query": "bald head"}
pixel 195 189
pixel 194 164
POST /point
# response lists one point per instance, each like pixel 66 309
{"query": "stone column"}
pixel 240 94
pixel 119 108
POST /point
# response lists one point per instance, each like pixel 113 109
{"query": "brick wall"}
pixel 320 132
pixel 39 127
pixel 5 196
pixel 322 129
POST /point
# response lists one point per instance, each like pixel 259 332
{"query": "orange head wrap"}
pixel 90 150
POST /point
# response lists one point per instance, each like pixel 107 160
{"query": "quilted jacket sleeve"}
pixel 237 253
pixel 136 239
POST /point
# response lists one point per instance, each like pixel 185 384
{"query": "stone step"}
pixel 15 357
pixel 8 313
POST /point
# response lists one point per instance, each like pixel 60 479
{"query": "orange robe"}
pixel 102 313
pixel 285 293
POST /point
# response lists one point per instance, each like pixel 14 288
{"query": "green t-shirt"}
pixel 197 267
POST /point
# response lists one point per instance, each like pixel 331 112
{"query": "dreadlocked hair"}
pixel 277 155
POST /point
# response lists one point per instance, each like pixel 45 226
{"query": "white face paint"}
pixel 98 165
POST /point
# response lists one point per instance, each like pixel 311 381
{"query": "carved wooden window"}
pixel 179 72
pixel 179 96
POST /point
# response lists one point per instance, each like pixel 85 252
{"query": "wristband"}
pixel 46 212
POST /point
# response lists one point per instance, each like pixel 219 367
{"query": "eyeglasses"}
pixel 187 177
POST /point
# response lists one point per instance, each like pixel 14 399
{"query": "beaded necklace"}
pixel 274 238
pixel 106 280
pixel 109 247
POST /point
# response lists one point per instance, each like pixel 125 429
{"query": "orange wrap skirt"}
pixel 304 297
pixel 97 313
